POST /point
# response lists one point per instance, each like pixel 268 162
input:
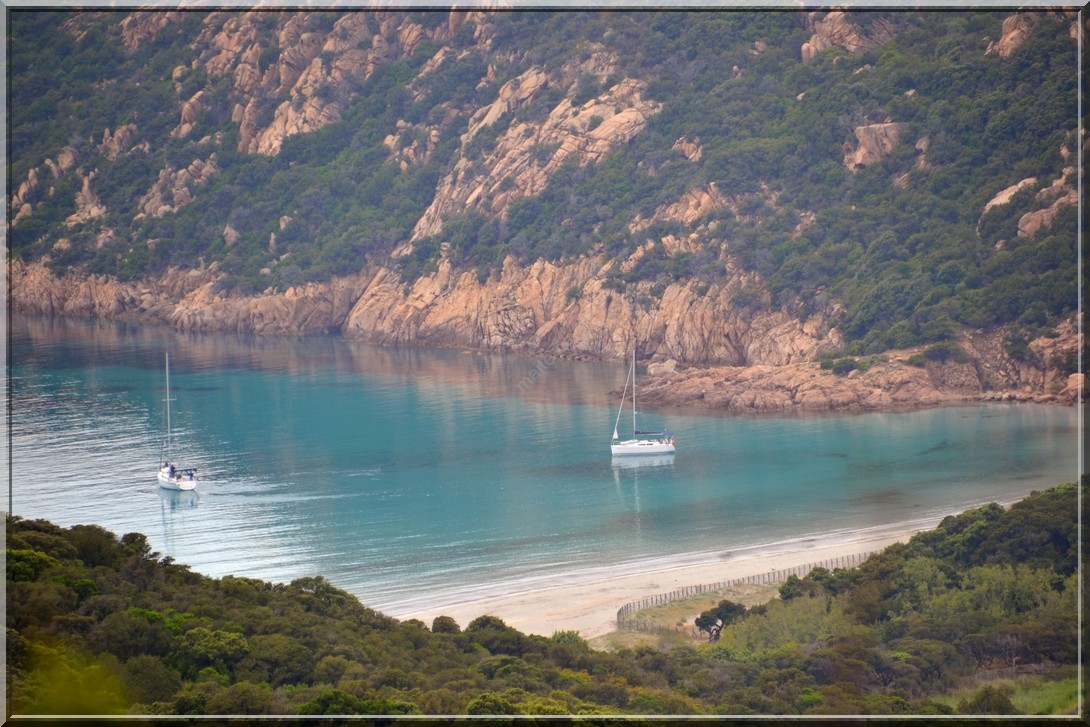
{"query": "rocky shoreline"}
pixel 761 365
pixel 807 388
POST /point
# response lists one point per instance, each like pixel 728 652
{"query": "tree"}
pixel 243 698
pixel 277 659
pixel 202 647
pixel 490 703
pixel 63 681
pixel 130 633
pixel 989 700
pixel 26 565
pixel 149 680
pixel 334 701
pixel 713 620
pixel 573 638
pixel 445 625
pixel 95 545
pixel 496 636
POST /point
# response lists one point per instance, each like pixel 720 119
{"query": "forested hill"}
pixel 979 616
pixel 546 180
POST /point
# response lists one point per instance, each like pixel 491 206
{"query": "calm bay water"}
pixel 413 477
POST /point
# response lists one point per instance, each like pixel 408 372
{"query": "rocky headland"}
pixel 701 351
pixel 893 382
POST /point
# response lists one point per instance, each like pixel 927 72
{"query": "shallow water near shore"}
pixel 433 476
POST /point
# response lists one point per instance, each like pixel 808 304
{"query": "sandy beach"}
pixel 590 606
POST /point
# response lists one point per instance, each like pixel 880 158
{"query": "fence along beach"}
pixel 602 605
pixel 626 612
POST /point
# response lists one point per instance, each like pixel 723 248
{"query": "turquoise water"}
pixel 413 477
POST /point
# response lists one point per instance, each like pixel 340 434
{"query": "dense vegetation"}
pixel 100 624
pixel 902 250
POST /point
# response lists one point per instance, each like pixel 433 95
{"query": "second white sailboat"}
pixel 641 443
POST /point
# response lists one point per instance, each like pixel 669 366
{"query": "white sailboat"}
pixel 642 443
pixel 172 477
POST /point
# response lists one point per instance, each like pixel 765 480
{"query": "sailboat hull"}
pixel 638 447
pixel 180 480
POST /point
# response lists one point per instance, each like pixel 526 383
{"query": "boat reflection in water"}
pixel 627 469
pixel 174 506
pixel 173 500
pixel 629 462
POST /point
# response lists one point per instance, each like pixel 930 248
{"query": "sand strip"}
pixel 590 607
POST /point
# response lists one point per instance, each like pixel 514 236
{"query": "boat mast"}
pixel 170 454
pixel 634 391
pixel 620 408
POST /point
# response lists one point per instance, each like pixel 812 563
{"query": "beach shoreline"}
pixel 590 606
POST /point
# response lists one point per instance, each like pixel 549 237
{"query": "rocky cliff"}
pixel 527 154
pixel 544 309
pixel 716 339
pixel 704 352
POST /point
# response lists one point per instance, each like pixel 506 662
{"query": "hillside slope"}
pixel 718 189
pixel 102 624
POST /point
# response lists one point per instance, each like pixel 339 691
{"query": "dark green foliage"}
pixel 989 700
pixel 491 703
pixel 496 636
pixel 940 353
pixel 935 624
pixel 1037 531
pixel 844 365
pixel 992 588
pixel 445 625
pixel 712 621
pixel 335 702
pixel 26 565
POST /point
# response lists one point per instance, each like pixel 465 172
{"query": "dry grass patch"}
pixel 678 616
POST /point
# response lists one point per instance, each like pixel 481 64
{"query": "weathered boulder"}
pixel 1016 29
pixel 875 142
pixel 692 206
pixel 176 188
pixel 837 28
pixel 1074 388
pixel 88 206
pixel 795 387
pixel 115 144
pixel 142 26
pixel 1054 198
pixel 36 186
pixel 1005 196
pixel 35 289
